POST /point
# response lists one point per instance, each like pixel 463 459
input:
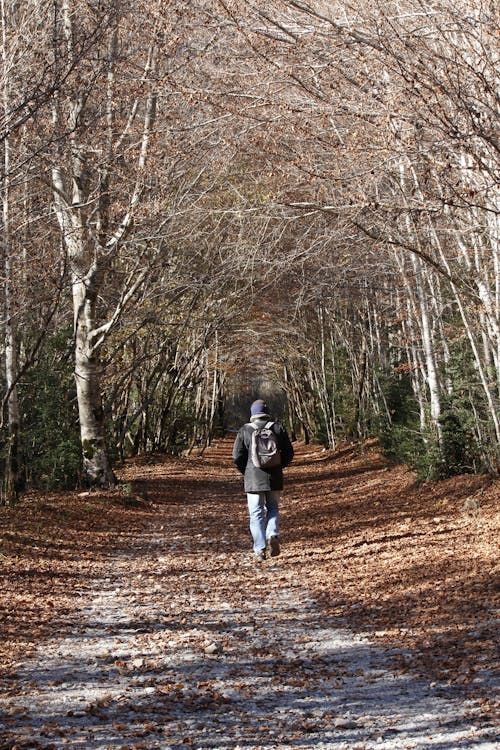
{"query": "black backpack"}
pixel 264 449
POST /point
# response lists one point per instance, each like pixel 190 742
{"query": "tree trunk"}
pixel 360 386
pixel 12 463
pixel 421 285
pixel 89 247
pixel 96 466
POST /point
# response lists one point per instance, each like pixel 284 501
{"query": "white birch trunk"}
pixel 417 366
pixel 424 319
pixel 89 252
pixel 429 353
pixel 13 420
pixel 96 464
pixel 85 278
pixel 325 395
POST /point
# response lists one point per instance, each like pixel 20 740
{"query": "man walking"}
pixel 262 485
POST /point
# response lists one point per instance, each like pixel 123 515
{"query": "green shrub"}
pixel 404 440
pixel 459 449
pixel 50 433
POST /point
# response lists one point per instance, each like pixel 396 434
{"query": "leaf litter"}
pixel 141 621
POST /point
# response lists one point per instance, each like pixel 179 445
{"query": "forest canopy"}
pixel 207 201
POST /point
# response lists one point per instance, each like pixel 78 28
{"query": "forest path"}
pixel 183 642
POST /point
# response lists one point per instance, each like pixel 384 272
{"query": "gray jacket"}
pixel 261 480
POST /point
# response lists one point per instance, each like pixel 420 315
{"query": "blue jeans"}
pixel 264 517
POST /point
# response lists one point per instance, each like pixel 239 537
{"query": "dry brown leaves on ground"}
pixel 412 566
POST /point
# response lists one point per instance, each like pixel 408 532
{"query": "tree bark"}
pixel 12 462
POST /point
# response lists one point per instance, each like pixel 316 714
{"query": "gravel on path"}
pixel 182 650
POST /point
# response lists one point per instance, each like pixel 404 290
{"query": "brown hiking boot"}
pixel 274 546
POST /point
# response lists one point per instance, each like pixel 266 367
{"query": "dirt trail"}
pixel 350 639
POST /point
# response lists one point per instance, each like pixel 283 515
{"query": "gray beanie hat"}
pixel 259 408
